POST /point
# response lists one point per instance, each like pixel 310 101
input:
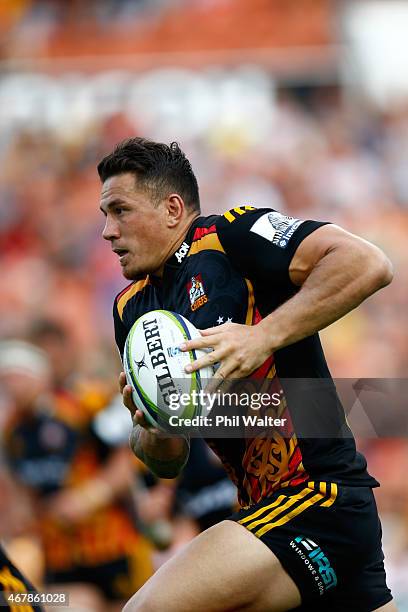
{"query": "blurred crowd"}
pixel 50 14
pixel 73 28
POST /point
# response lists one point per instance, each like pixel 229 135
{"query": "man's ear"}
pixel 174 209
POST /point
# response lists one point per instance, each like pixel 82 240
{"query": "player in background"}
pixel 63 454
pixel 307 536
pixel 24 373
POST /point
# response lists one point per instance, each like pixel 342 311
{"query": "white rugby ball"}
pixel 154 368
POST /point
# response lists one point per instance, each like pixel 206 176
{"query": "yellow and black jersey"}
pixel 57 448
pixel 16 592
pixel 235 267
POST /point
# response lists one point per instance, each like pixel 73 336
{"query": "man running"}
pixel 307 536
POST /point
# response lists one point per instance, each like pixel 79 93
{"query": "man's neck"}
pixel 176 243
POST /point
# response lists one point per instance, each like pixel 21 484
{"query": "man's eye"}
pixel 119 210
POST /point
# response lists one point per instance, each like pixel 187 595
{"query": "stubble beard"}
pixel 133 275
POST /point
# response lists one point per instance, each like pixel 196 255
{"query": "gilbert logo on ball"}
pixel 154 367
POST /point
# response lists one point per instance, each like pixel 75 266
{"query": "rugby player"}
pixel 14 588
pixel 260 285
pixel 75 474
pixel 17 358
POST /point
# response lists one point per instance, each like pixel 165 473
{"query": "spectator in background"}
pixel 77 479
pixel 15 507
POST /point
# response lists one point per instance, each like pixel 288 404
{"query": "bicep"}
pixel 317 245
pixel 262 243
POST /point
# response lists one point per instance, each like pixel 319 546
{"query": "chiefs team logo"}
pixel 196 292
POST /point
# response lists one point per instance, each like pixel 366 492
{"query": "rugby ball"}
pixel 154 367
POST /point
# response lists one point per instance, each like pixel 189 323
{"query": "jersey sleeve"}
pixel 120 330
pixel 262 242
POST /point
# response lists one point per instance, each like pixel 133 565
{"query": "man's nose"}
pixel 111 229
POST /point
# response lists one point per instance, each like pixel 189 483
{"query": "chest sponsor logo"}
pixel 276 228
pixel 182 252
pixel 196 292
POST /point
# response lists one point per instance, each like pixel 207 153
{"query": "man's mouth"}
pixel 121 253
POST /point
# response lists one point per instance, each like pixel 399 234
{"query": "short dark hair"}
pixel 158 167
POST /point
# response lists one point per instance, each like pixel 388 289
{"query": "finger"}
pixel 212 386
pixel 226 392
pixel 128 399
pixel 212 331
pixel 207 360
pixel 196 343
pixel 122 381
pixel 140 419
pixel 217 383
pixel 219 386
pixel 227 369
pixel 224 376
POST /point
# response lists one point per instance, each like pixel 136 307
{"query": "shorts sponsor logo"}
pixel 276 228
pixel 196 292
pixel 316 561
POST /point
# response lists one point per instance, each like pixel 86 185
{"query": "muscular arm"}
pixel 336 271
pixel 164 455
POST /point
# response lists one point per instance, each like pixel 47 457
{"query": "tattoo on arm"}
pixel 163 468
pixel 166 469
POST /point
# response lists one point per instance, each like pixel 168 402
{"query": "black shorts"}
pixel 328 539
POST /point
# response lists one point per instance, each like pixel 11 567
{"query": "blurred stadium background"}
pixel 301 105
